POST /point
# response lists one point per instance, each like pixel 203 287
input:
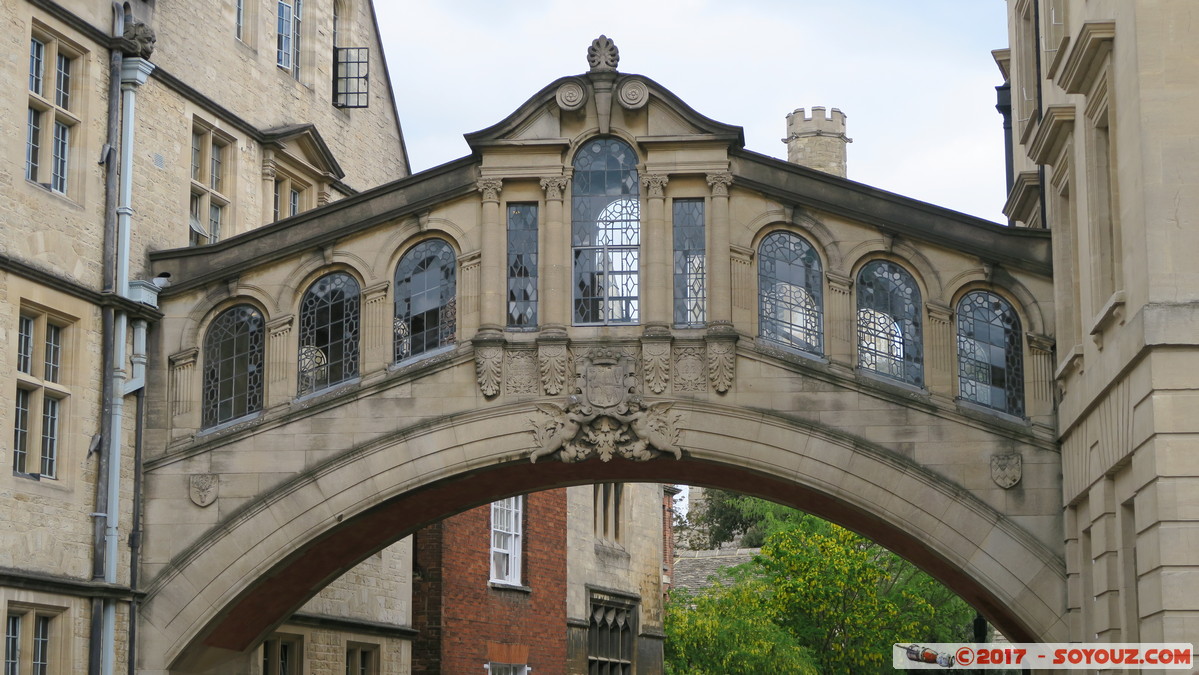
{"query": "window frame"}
pixel 1012 366
pixel 906 347
pixel 53 121
pixel 782 304
pixel 625 660
pixel 38 640
pixel 41 422
pixel 212 174
pixel 446 325
pixel 522 265
pixel 588 236
pixel 608 511
pixel 690 283
pixel 278 647
pixel 313 377
pixel 362 658
pixel 243 384
pixel 497 668
pixel 507 540
pixel 289 36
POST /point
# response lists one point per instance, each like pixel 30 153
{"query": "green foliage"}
pixel 731 630
pixel 840 598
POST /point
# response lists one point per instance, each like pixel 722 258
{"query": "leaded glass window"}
pixel 611 635
pixel 522 265
pixel 690 265
pixel 990 353
pixel 890 340
pixel 233 363
pixel 329 332
pixel 606 234
pixel 790 292
pixel 426 310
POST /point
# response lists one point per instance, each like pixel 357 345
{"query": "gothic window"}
pixel 689 262
pixel 611 636
pixel 506 524
pixel 329 330
pixel 790 291
pixel 522 265
pixel 425 311
pixel 890 340
pixel 233 362
pixel 606 234
pixel 990 353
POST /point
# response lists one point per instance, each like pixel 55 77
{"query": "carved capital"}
pixel 719 183
pixel 375 293
pixel 938 313
pixel 279 327
pixel 654 184
pixel 553 186
pixel 1040 343
pixel 270 170
pixel 838 283
pixel 490 187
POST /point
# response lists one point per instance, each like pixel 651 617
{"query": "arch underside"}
pixel 287 544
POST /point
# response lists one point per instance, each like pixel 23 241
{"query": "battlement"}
pixel 799 124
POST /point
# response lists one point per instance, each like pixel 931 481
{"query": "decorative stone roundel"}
pixel 571 95
pixel 633 93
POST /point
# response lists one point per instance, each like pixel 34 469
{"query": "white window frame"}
pixel 289 24
pixel 507 539
pixel 495 668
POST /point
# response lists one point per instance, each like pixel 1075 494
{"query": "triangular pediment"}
pixel 304 143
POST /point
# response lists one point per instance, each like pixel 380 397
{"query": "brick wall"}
pixel 464 622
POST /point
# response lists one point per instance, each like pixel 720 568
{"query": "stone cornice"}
pixel 1056 126
pixel 1022 200
pixel 1093 44
pixel 64 285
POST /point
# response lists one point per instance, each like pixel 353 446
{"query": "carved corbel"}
pixel 489 363
pixel 722 357
pixel 655 362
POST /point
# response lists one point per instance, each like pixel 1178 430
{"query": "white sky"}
pixel 915 79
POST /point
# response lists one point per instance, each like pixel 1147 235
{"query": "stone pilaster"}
pixel 378 335
pixel 720 310
pixel 280 370
pixel 183 389
pixel 555 257
pixel 939 350
pixel 1038 374
pixel 656 247
pixel 494 284
pixel 840 320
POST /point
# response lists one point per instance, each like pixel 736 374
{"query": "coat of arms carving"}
pixel 606 418
pixel 202 488
pixel 1006 469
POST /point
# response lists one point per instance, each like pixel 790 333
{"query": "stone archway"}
pixel 248 573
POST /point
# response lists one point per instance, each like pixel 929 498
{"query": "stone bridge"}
pixel 613 285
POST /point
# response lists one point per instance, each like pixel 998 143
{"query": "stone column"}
pixel 840 320
pixel 720 310
pixel 939 348
pixel 555 294
pixel 493 312
pixel 656 247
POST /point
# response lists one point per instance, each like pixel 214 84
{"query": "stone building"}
pixel 1103 156
pixel 609 289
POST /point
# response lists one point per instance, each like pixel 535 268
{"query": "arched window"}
pixel 233 355
pixel 329 330
pixel 606 233
pixel 890 342
pixel 426 315
pixel 990 353
pixel 790 308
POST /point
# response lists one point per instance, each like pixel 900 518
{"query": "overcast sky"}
pixel 915 79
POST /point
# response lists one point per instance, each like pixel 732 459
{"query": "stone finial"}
pixel 602 55
pixel 817 142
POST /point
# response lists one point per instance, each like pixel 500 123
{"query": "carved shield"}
pixel 1006 470
pixel 203 488
pixel 605 385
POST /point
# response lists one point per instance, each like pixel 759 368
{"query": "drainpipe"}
pixel 136 386
pixel 134 72
pixel 111 176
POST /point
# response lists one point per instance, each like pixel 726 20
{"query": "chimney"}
pixel 817 142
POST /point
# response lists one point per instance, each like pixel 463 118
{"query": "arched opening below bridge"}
pixel 290 543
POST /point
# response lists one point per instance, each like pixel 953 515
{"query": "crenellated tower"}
pixel 817 142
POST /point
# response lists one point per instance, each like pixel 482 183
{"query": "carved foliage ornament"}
pixel 490 187
pixel 552 362
pixel 603 55
pixel 605 418
pixel 202 488
pixel 489 364
pixel 721 364
pixel 655 358
pixel 1007 469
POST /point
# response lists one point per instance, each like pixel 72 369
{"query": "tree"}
pixel 841 596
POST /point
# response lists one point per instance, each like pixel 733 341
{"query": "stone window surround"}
pixel 53 112
pixel 206 190
pixel 41 387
